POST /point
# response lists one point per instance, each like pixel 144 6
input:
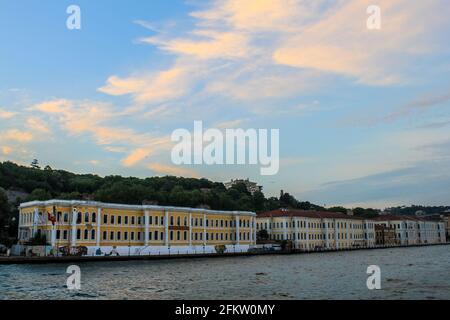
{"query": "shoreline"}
pixel 66 259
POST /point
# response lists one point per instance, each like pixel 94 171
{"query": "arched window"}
pixel 92 234
pixel 94 217
pixel 86 234
pixel 86 217
pixel 78 217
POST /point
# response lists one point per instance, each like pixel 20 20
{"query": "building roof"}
pixel 307 214
pixel 390 217
pixel 79 203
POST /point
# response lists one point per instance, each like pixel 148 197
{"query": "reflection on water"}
pixel 406 273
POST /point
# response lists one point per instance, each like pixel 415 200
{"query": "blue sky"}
pixel 363 114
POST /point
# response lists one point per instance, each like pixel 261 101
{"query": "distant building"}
pixel 311 230
pixel 385 235
pixel 413 229
pixel 252 187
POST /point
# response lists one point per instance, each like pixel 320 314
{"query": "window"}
pixel 171 220
pixel 119 220
pixel 66 217
pixel 126 219
pixel 86 217
pixel 125 235
pixel 93 234
pixel 78 234
pixel 185 221
pixel 171 235
pixel 78 217
pixel 178 221
pixel 139 221
pixel 162 220
pixel 58 234
pixel 178 235
pixel 156 235
pixel 119 235
pixel 139 236
pixel 65 234
pixel 104 235
pixel 112 220
pixel 185 235
pixel 86 234
pixel 150 235
pixel 111 235
pixel 162 236
pixel 105 219
pixel 94 217
pixel 133 220
pixel 132 236
pixel 150 220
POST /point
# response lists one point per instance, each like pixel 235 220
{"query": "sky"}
pixel 363 114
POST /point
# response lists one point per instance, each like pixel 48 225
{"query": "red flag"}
pixel 51 218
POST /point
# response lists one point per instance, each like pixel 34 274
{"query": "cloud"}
pixel 221 45
pixel 150 88
pixel 17 135
pixel 261 49
pixel 6 150
pixel 95 119
pixel 171 170
pixel 4 114
pixel 36 124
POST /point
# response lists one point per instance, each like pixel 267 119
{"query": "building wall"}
pixel 308 233
pixel 94 224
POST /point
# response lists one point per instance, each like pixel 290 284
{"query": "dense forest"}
pixel 20 183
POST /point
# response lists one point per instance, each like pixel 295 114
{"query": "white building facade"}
pixel 314 230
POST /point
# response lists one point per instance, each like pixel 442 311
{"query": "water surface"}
pixel 406 273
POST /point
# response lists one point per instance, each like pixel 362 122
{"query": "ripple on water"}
pixel 406 274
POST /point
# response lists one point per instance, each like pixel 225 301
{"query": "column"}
pixel 237 229
pixel 336 234
pixel 296 237
pixel 204 229
pixel 307 233
pixel 53 236
pixel 74 227
pixel 166 227
pixel 251 230
pixel 254 230
pixel 146 227
pixel 99 224
pixel 190 229
pixel 35 221
pixel 348 234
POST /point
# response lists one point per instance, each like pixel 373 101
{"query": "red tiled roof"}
pixel 306 214
pixel 389 217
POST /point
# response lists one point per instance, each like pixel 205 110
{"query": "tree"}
pixel 262 235
pixel 35 164
pixel 39 239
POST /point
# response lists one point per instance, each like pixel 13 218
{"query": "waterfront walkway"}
pixel 78 259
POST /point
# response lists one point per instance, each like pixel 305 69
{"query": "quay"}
pixel 79 259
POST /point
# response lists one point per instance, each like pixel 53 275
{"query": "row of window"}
pixel 178 235
pixel 313 236
pixel 312 225
pixel 153 220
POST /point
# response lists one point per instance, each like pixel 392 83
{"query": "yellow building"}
pixel 136 229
